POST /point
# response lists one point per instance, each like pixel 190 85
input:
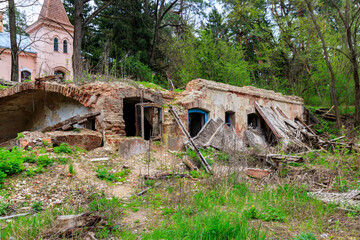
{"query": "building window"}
pixel 56 44
pixel 59 74
pixel 253 121
pixel 25 75
pixel 65 47
pixel 230 118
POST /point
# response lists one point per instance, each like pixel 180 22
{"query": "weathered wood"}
pixel 14 216
pixel 167 176
pixel 148 188
pixel 197 151
pixel 67 124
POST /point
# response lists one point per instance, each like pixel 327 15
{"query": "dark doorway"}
pixel 197 119
pixel 129 115
pixel 253 121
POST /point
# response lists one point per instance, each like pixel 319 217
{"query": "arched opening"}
pixel 59 74
pixel 34 110
pixel 56 44
pixel 65 46
pixel 25 75
pixel 197 119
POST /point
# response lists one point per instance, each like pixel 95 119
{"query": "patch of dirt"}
pixel 137 220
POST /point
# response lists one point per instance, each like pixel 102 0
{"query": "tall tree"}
pixel 80 24
pixel 14 44
pixel 328 63
pixel 349 19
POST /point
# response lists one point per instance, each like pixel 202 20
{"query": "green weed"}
pixel 37 206
pixel 104 174
pixel 305 236
pixel 71 169
pixel 4 208
pixel 63 148
pixel 62 160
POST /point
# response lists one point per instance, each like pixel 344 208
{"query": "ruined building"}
pixel 127 115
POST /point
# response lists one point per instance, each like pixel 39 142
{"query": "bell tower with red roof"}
pixel 52 39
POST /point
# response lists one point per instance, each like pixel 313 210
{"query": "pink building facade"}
pixel 48 48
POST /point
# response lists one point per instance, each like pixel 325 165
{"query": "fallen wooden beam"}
pixel 167 176
pixel 148 188
pixel 197 151
pixel 67 124
pixel 14 216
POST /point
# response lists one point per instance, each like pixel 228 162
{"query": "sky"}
pixel 32 8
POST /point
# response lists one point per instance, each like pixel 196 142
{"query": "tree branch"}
pixel 96 12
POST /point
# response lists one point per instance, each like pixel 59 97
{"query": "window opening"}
pixel 56 44
pixel 65 46
pixel 253 121
pixel 25 75
pixel 197 119
pixel 59 74
pixel 230 118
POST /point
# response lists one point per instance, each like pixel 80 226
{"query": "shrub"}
pixel 62 160
pixel 71 169
pixel 11 162
pixel 37 206
pixel 45 160
pixel 63 148
pixel 4 208
pixel 104 174
pixel 272 214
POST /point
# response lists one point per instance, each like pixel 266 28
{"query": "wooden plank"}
pixel 70 121
pixel 197 151
pixel 268 122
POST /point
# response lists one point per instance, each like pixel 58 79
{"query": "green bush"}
pixel 63 148
pixel 104 174
pixel 11 162
pixel 4 208
pixel 45 160
pixel 37 206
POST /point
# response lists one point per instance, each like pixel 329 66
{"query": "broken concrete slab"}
pixel 132 146
pixel 219 135
pixel 85 139
pixel 255 139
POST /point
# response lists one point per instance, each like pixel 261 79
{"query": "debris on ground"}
pixel 67 226
pixel 350 198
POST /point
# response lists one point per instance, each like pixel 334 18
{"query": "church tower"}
pixel 51 37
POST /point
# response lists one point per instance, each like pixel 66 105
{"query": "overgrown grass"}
pixel 32 226
pixel 150 85
pixel 105 174
pixel 231 210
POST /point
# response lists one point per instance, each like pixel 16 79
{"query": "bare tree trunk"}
pixel 78 35
pixel 14 46
pixel 353 49
pixel 328 63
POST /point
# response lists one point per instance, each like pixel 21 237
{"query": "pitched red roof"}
pixel 54 10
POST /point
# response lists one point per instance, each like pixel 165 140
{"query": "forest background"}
pixel 306 48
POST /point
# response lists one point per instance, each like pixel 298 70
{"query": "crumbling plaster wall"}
pixel 218 98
